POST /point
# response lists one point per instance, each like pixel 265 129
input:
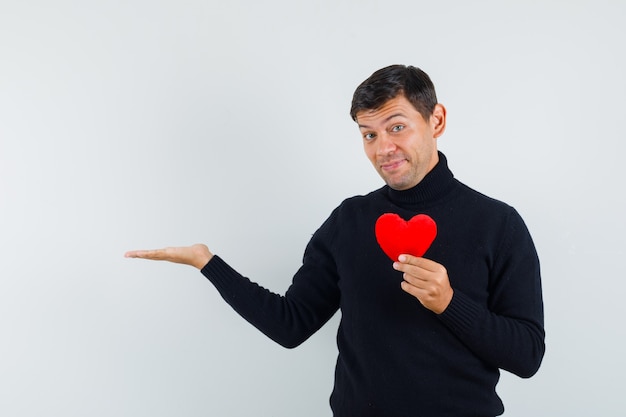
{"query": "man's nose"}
pixel 385 144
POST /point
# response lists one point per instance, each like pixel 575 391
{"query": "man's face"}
pixel 401 145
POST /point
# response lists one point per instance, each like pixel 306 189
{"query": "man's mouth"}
pixel 392 165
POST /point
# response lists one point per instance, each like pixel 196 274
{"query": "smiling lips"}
pixel 392 165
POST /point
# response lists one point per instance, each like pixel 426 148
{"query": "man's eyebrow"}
pixel 384 121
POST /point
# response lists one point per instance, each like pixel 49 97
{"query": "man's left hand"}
pixel 426 280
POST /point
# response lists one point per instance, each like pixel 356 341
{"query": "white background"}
pixel 140 124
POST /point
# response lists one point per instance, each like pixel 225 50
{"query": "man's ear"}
pixel 438 120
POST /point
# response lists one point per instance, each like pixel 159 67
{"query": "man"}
pixel 419 336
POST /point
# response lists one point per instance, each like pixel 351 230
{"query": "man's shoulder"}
pixel 359 203
pixel 477 197
pixel 486 209
pixel 359 200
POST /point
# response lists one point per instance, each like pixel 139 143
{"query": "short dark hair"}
pixel 389 82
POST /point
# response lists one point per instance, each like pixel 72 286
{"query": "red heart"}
pixel 397 236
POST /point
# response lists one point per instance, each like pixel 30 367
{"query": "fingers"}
pixel 166 254
pixel 426 280
pixel 135 254
pixel 155 254
pixel 422 263
pixel 421 271
pixel 418 269
pixel 197 255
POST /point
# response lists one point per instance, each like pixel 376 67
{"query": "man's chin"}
pixel 399 185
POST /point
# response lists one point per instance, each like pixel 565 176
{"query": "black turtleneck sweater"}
pixel 396 358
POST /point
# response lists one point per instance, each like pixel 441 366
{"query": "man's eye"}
pixel 397 128
pixel 369 136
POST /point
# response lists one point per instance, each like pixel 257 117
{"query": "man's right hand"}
pixel 197 255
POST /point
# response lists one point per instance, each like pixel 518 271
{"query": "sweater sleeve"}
pixel 290 319
pixel 507 333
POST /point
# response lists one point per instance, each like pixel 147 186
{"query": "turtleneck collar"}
pixel 437 183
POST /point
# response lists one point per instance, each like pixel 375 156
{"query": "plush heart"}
pixel 396 236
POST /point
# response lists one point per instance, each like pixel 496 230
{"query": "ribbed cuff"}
pixel 462 313
pixel 220 273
